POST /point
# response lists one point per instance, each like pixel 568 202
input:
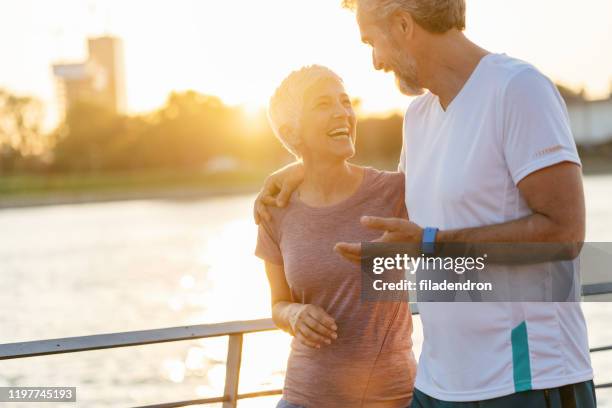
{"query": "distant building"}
pixel 591 121
pixel 100 79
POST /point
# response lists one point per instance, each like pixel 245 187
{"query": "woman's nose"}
pixel 341 112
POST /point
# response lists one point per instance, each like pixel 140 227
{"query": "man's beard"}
pixel 405 70
pixel 407 88
pixel 406 78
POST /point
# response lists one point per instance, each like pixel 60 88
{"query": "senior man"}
pixel 488 157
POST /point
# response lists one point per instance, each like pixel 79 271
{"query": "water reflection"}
pixel 173 369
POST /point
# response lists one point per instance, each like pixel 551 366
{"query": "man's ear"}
pixel 404 21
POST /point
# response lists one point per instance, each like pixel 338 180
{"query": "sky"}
pixel 240 50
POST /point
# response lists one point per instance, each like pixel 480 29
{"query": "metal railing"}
pixel 234 330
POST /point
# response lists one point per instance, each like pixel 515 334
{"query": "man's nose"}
pixel 376 62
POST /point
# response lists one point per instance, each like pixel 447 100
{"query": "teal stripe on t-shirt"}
pixel 520 358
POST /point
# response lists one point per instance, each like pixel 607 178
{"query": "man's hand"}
pixel 277 189
pixel 395 230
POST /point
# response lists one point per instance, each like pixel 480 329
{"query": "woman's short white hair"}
pixel 285 107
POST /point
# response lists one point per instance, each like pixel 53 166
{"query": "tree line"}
pixel 188 131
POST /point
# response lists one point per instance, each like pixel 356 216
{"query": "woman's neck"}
pixel 327 183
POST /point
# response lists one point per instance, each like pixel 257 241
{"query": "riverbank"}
pixel 39 190
pixel 56 189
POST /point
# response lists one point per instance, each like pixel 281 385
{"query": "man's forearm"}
pixel 534 238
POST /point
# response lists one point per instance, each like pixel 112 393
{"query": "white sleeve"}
pixel 536 128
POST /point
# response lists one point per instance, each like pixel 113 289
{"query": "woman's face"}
pixel 327 128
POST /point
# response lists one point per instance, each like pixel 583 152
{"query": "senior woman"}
pixel 346 352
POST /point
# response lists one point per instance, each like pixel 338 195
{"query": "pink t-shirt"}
pixel 371 364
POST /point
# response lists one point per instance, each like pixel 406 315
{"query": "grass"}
pixel 22 188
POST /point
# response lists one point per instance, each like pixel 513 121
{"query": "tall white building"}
pixel 100 79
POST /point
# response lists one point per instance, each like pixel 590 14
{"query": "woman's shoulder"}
pixel 278 215
pixel 383 179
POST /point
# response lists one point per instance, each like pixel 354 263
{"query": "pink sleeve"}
pixel 267 245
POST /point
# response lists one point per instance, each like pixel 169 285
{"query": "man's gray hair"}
pixel 435 16
pixel 285 107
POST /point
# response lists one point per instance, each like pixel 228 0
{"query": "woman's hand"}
pixel 277 189
pixel 311 325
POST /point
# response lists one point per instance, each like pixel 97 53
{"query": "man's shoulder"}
pixel 522 87
pixel 506 64
pixel 509 72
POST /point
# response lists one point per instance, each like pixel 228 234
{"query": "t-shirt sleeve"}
pixel 268 247
pixel 537 131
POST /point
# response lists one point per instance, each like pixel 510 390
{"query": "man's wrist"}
pixel 452 243
pixel 443 236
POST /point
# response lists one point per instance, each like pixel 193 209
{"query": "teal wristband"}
pixel 428 245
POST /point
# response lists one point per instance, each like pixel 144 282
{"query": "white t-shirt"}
pixel 462 168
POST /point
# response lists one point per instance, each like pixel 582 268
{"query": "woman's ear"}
pixel 290 135
pixel 287 132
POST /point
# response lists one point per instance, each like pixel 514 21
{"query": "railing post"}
pixel 232 370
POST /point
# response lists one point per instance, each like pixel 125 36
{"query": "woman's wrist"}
pixel 295 310
pixel 286 315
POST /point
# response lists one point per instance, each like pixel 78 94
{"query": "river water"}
pixel 72 270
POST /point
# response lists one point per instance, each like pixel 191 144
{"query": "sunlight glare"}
pixel 174 370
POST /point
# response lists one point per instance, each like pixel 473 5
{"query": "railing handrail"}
pixel 131 338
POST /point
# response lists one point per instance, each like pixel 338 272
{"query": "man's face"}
pixel 389 52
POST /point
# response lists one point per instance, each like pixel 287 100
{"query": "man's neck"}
pixel 449 62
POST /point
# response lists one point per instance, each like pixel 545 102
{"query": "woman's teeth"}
pixel 339 133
